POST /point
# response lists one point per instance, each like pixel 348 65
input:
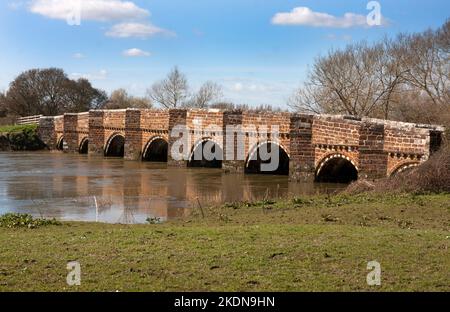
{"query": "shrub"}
pixel 152 220
pixel 19 220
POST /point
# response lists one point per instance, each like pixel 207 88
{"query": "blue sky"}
pixel 236 43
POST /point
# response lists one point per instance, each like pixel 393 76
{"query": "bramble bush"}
pixel 433 176
pixel 19 220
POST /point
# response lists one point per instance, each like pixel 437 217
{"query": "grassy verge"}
pixel 306 244
pixel 18 128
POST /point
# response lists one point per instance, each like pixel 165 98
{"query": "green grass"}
pixel 306 244
pixel 18 128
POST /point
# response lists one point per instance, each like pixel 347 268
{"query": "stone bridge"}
pixel 331 148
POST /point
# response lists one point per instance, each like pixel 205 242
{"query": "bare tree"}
pixel 208 93
pixel 425 58
pixel 3 108
pixel 50 92
pixel 120 99
pixel 356 81
pixel 224 105
pixel 83 97
pixel 375 80
pixel 170 92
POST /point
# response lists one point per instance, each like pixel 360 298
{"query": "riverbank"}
pixel 20 138
pixel 305 244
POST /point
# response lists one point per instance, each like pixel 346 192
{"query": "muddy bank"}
pixel 5 146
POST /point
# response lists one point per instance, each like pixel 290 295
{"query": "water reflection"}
pixel 85 188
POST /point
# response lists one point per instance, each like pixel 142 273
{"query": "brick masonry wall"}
pixel 83 128
pixel 177 117
pixel 301 164
pixel 47 132
pixel 336 131
pixel 96 132
pixel 113 124
pixel 59 128
pixel 372 157
pixel 269 119
pixel 133 134
pixel 154 124
pixel 205 124
pixel 71 132
pixel 233 119
pixel 376 147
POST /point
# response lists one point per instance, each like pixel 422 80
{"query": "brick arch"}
pixel 149 143
pixel 256 147
pixel 110 139
pixel 151 140
pixel 84 140
pixel 332 156
pixel 60 143
pixel 200 142
pixel 326 156
pixel 404 166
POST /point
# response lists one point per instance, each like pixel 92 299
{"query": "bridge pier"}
pixel 47 132
pixel 96 132
pixel 301 165
pixel 177 118
pixel 133 134
pixel 71 133
pixel 232 125
pixel 373 160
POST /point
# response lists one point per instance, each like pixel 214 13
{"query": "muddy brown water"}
pixel 87 188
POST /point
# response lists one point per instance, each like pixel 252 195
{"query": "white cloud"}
pixel 307 17
pixel 135 53
pixel 139 30
pixel 250 86
pixel 100 75
pixel 130 17
pixel 238 87
pixel 94 10
pixel 78 55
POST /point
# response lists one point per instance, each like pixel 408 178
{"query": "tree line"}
pixel 51 92
pixel 406 78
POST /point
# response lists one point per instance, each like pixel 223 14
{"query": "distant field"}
pixel 308 244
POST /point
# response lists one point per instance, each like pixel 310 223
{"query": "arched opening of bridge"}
pixel 84 146
pixel 405 168
pixel 115 146
pixel 206 154
pixel 260 160
pixel 337 169
pixel 156 150
pixel 60 144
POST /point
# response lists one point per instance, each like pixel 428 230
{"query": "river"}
pixel 87 188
